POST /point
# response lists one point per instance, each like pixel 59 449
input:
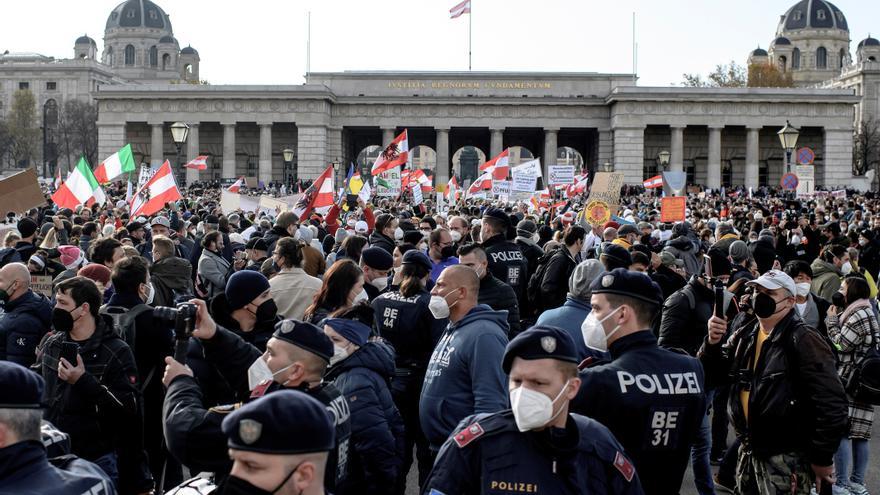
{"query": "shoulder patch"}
pixel 624 466
pixel 225 409
pixel 468 435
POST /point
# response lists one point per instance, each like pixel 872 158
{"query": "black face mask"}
pixel 235 485
pixel 447 252
pixel 266 311
pixel 62 320
pixel 838 299
pixel 764 305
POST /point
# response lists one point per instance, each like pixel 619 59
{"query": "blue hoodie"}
pixel 25 322
pixel 464 374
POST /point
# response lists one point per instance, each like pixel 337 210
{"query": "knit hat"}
pixel 26 227
pixel 243 287
pixel 526 228
pixel 354 331
pixel 96 272
pixel 340 235
pixel 71 256
pixel 739 251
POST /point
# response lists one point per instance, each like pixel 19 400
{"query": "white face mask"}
pixel 594 333
pixel 362 296
pixel 380 283
pixel 456 235
pixel 863 242
pixel 846 268
pixel 398 234
pixel 803 289
pixel 259 372
pixel 151 294
pixel 533 409
pixel 795 240
pixel 439 307
pixel 339 353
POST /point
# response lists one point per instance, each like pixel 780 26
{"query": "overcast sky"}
pixel 264 41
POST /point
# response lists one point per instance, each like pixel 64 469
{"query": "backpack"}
pixel 533 290
pixel 864 384
pixel 122 320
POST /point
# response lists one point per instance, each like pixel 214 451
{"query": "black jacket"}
pixel 683 326
pixel 171 277
pixel 554 285
pixel 22 326
pixel 272 237
pixel 377 239
pixel 499 296
pixel 507 263
pixel 668 280
pixel 532 252
pixel 797 402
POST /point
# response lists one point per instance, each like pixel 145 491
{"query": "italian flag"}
pixel 394 155
pixel 159 190
pixel 115 165
pixel 80 187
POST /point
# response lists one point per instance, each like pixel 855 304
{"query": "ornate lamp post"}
pixel 179 133
pixel 288 155
pixel 788 136
pixel 663 157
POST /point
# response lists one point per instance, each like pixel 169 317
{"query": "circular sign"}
pixel 597 212
pixel 789 181
pixel 805 156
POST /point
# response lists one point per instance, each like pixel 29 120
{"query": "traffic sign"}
pixel 805 156
pixel 789 181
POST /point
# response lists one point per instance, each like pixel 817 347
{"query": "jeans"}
pixel 851 450
pixel 700 454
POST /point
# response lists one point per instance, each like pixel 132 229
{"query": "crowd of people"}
pixel 490 346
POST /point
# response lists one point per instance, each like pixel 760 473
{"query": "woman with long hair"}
pixel 343 283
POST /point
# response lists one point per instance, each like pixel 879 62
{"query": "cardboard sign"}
pixel 672 209
pixel 42 284
pixel 273 205
pixel 20 192
pixel 606 187
pixel 561 174
pixel 251 182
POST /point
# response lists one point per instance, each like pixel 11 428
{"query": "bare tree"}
pixel 866 147
pixel 21 123
pixel 730 75
pixel 78 132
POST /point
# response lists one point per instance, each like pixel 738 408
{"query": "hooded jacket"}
pixel 464 374
pixel 377 434
pixel 569 317
pixel 682 248
pixel 500 297
pixel 378 239
pixel 826 279
pixel 25 322
pixel 171 277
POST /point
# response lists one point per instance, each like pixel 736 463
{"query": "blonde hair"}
pixel 163 246
pixel 11 238
pixel 51 240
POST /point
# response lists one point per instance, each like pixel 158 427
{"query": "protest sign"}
pixel 251 182
pixel 42 284
pixel 388 183
pixel 672 209
pixel 597 212
pixel 606 187
pixel 21 192
pixel 561 174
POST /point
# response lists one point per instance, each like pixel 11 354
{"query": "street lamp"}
pixel 179 132
pixel 788 136
pixel 288 155
pixel 663 156
pixel 608 167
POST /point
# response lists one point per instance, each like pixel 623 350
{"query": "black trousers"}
pixel 406 387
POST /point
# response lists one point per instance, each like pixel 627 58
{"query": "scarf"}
pixel 852 308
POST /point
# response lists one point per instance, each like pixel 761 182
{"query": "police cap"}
pixel 306 336
pixel 20 388
pixel 285 422
pixel 540 342
pixel 623 282
pixel 498 214
pixel 414 257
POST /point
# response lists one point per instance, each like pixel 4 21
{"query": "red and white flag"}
pixel 425 181
pixel 235 187
pixel 481 183
pixel 159 190
pixel 394 155
pixel 199 163
pixel 460 9
pixel 653 182
pixel 498 166
pixel 317 197
pixel 579 186
pixel 452 192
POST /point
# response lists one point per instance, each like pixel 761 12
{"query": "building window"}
pixel 842 61
pixel 51 86
pixel 821 58
pixel 797 15
pixel 130 14
pixel 651 168
pixel 820 14
pixel 129 55
pixel 763 173
pixel 154 56
pixel 796 59
pixel 109 59
pixel 166 61
pixel 782 64
pixel 24 85
pixel 153 15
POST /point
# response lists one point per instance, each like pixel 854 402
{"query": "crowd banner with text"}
pixel 388 183
pixel 606 187
pixel 42 284
pixel 672 209
pixel 560 174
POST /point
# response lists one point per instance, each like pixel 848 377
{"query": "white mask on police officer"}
pixel 380 283
pixel 594 333
pixel 531 409
pixel 259 372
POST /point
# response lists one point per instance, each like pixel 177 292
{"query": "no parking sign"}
pixel 805 156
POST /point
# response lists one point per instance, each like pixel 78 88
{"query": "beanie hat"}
pixel 96 272
pixel 739 251
pixel 354 331
pixel 26 227
pixel 71 256
pixel 243 287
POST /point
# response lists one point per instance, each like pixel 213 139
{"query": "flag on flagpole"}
pixel 348 177
pixel 80 187
pixel 579 186
pixel 199 163
pixel 460 9
pixel 159 190
pixel 365 192
pixel 653 182
pixel 128 192
pixel 115 165
pixel 318 196
pixel 481 183
pixel 394 155
pixel 499 166
pixel 234 188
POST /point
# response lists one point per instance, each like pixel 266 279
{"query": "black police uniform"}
pixel 651 398
pixel 507 262
pixel 193 433
pixel 408 325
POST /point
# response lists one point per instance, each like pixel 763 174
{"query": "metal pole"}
pixel 180 174
pixel 470 33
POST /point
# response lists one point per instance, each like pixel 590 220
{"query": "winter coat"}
pixel 569 317
pixel 554 285
pixel 531 251
pixel 25 470
pixel 213 269
pixel 826 279
pixel 22 327
pixel 854 338
pixel 683 326
pixel 668 280
pixel 272 237
pixel 377 239
pixel 464 374
pixel 869 257
pixel 684 249
pixel 500 297
pixel 377 433
pixel 293 291
pixel 171 277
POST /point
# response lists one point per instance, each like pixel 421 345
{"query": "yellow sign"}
pixel 597 212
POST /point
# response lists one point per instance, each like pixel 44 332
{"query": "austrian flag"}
pixel 394 155
pixel 460 9
pixel 653 182
pixel 159 190
pixel 499 166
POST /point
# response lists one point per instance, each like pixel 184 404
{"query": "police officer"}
pixel 537 446
pixel 403 319
pixel 278 444
pixel 296 357
pixel 651 398
pixel 506 260
pixel 375 263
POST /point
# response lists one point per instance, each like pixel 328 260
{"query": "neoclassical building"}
pixel 719 136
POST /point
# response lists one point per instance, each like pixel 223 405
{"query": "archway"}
pixel 367 157
pixel 519 155
pixel 423 158
pixel 566 155
pixel 466 162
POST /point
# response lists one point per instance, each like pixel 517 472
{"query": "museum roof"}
pixel 139 14
pixel 813 14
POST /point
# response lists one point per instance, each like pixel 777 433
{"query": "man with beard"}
pixel 441 252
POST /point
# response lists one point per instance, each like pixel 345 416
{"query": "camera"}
pixel 184 319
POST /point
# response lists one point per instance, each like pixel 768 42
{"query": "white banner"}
pixel 530 168
pixel 392 177
pixel 417 194
pixel 500 187
pixel 523 183
pixel 561 174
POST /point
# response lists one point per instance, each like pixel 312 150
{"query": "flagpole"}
pixel 470 32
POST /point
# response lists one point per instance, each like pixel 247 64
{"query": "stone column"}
pixel 549 158
pixel 157 146
pixel 441 174
pixel 265 152
pixel 192 151
pixel 676 148
pixel 312 154
pixel 713 164
pixel 228 150
pixel 606 148
pixel 752 154
pixel 111 137
pixel 629 153
pixel 837 158
pixel 388 136
pixel 496 142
